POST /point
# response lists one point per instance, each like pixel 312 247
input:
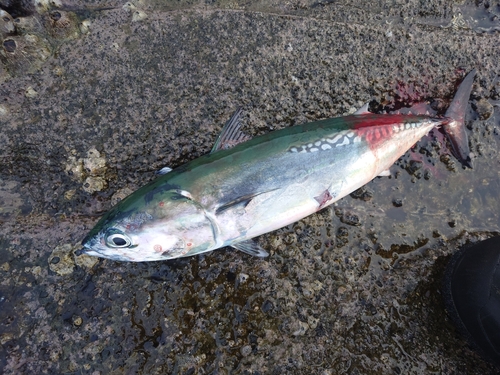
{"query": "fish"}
pixel 246 187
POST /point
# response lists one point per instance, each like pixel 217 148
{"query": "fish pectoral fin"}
pixel 241 201
pixel 251 248
pixel 163 171
pixel 385 173
pixel 231 135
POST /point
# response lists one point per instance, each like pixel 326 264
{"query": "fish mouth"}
pixel 81 251
pixel 86 251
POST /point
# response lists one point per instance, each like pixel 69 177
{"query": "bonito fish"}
pixel 248 187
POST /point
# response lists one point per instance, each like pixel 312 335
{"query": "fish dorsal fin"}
pixel 231 135
pixel 251 248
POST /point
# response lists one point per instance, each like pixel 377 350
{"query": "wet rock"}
pixel 3 109
pixel 449 162
pixel 342 237
pixel 481 17
pixel 69 194
pixel 267 306
pixel 362 194
pixel 120 195
pixel 246 350
pixel 484 109
pixel 414 168
pixel 11 201
pixel 6 337
pixel 300 329
pixel 37 270
pixel 397 202
pixel 347 217
pixel 18 8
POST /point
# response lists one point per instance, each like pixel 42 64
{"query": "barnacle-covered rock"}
pixel 24 53
pixel 6 23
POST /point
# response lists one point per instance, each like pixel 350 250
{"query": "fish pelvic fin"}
pixel 251 248
pixel 455 126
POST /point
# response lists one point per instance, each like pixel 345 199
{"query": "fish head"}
pixel 172 225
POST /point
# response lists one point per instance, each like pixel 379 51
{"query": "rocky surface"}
pixel 96 97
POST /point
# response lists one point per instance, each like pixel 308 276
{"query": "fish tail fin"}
pixel 455 127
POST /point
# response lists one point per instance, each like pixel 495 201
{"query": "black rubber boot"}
pixel 472 295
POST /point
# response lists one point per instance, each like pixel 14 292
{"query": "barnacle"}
pixel 61 24
pixel 43 6
pixel 23 53
pixel 6 23
pixel 137 14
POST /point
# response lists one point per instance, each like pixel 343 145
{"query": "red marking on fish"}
pixel 323 198
pixel 377 128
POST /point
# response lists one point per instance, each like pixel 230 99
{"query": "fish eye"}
pixel 118 240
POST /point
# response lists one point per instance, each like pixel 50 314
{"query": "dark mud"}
pixel 93 107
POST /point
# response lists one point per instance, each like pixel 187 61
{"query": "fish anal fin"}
pixel 231 135
pixel 251 248
pixel 385 173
